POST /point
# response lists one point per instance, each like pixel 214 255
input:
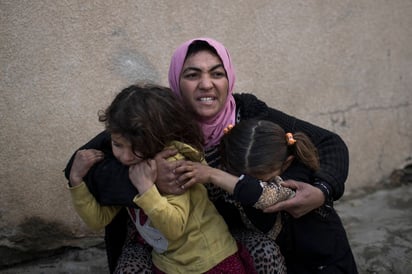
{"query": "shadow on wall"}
pixel 133 66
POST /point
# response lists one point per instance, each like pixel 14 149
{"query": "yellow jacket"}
pixel 197 236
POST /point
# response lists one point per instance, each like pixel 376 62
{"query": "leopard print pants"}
pixel 136 258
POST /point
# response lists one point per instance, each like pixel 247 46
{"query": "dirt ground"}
pixel 378 223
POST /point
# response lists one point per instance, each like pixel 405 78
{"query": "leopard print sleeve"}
pixel 272 193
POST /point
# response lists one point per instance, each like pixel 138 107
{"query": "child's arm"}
pixel 245 189
pixel 272 193
pixel 92 213
pixel 190 173
pixel 250 191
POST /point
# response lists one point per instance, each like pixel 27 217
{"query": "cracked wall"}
pixel 346 66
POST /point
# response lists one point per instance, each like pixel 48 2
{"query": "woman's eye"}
pixel 219 74
pixel 190 75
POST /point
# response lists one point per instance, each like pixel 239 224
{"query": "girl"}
pixel 186 232
pixel 261 149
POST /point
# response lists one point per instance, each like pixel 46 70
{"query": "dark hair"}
pixel 200 45
pixel 150 117
pixel 257 147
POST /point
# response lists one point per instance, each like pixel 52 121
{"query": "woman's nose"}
pixel 205 83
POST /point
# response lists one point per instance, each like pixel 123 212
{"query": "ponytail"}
pixel 304 150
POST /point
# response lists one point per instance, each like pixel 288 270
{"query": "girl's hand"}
pixel 143 175
pixel 307 198
pixel 83 161
pixel 190 173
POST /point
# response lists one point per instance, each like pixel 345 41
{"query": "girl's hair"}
pixel 150 117
pixel 258 147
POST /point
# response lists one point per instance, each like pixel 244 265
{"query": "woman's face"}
pixel 204 84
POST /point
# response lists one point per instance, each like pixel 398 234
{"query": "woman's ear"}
pixel 287 162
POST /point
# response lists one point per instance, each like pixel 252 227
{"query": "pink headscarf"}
pixel 212 128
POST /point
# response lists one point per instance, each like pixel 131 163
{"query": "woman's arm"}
pixel 333 152
pixel 329 182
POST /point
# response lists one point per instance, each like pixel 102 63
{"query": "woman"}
pixel 202 75
pixel 191 77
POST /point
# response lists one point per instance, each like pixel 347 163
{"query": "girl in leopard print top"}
pixel 260 151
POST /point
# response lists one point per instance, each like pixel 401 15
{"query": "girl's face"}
pixel 122 150
pixel 277 170
pixel 204 84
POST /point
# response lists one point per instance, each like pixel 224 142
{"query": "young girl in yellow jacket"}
pixel 186 232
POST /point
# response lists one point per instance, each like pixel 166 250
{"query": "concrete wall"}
pixel 344 65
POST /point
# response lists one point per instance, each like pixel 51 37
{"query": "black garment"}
pixel 114 237
pixel 316 243
pixel 109 182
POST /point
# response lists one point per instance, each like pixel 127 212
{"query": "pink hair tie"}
pixel 289 139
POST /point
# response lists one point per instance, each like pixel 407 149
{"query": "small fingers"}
pixel 183 168
pixel 184 182
pixel 188 184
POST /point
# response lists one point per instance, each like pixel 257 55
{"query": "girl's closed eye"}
pixel 115 144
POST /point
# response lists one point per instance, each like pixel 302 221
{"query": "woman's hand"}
pixel 83 161
pixel 307 198
pixel 166 173
pixel 143 175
